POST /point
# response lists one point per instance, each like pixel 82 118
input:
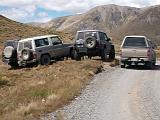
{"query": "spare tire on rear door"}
pixel 90 42
pixel 26 54
pixel 8 52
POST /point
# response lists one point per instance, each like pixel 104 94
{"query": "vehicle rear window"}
pixel 135 42
pixel 28 44
pixel 91 34
pixel 11 43
pixel 80 36
pixel 41 42
pixel 22 45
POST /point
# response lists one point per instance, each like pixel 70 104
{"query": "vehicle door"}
pixel 57 47
pixel 42 46
pixel 105 41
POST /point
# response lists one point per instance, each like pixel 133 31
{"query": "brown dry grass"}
pixel 30 92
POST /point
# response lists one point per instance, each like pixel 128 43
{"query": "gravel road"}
pixel 117 94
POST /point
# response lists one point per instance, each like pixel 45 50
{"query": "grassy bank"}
pixel 30 92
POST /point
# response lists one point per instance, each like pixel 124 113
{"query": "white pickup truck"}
pixel 136 50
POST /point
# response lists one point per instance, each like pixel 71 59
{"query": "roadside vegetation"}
pixel 27 93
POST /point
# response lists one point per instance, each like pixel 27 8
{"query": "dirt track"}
pixel 117 94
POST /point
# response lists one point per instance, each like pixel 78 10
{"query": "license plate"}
pixel 82 49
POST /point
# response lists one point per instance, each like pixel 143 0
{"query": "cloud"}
pixel 27 10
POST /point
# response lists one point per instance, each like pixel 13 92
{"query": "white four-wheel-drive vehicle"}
pixel 41 49
pixel 136 50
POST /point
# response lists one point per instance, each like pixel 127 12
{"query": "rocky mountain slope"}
pixel 10 29
pixel 105 17
pixel 147 23
pixel 117 21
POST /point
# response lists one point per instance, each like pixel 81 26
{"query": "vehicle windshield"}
pixel 135 42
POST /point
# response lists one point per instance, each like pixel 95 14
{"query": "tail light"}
pixel 120 53
pixel 18 55
pixel 34 55
pixel 148 52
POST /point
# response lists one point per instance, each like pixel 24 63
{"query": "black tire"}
pixel 122 66
pixel 45 60
pixel 149 65
pixel 90 57
pixel 90 42
pixel 104 55
pixel 154 63
pixel 75 55
pixel 26 54
pixel 112 53
pixel 14 64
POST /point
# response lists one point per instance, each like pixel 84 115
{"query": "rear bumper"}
pixel 86 51
pixel 8 61
pixel 135 59
pixel 24 63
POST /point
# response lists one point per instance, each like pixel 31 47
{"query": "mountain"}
pixel 117 21
pixel 107 18
pixel 10 29
pixel 147 23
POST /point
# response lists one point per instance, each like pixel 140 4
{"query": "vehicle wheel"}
pixel 14 64
pixel 26 54
pixel 149 64
pixel 104 55
pixel 8 51
pixel 122 66
pixel 154 63
pixel 90 57
pixel 90 42
pixel 75 55
pixel 45 60
pixel 112 53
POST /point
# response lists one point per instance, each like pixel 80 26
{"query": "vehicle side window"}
pixel 28 44
pixel 56 41
pixel 102 36
pixel 41 42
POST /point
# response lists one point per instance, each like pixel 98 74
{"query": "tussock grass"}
pixel 35 91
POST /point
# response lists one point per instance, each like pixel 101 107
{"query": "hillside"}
pixel 107 17
pixel 117 21
pixel 10 29
pixel 147 23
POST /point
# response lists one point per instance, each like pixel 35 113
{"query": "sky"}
pixel 44 10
